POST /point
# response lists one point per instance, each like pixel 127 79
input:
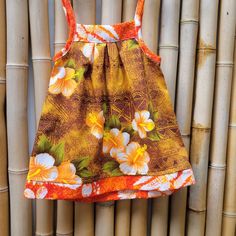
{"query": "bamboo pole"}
pixel 229 213
pixel 128 9
pixel 150 31
pixel 64 219
pixel 169 45
pixel 4 202
pixel 61 28
pixel 111 14
pixel 39 29
pixel 123 208
pixel 224 70
pixel 17 130
pixel 139 222
pixel 139 217
pixel 188 43
pixel 84 220
pixel 201 125
pixel 111 11
pixel 85 12
pixel 168 50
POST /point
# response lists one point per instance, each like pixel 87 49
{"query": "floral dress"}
pixel 107 129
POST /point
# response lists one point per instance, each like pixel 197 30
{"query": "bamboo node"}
pixel 189 21
pixel 174 47
pixel 17 66
pixel 224 64
pixel 4 189
pixel 18 172
pixel 217 166
pixel 41 59
pixel 229 214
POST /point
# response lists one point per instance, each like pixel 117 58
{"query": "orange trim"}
pixel 70 16
pixel 106 190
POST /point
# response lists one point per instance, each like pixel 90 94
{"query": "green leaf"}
pixel 109 166
pixel 150 108
pixel 129 130
pixel 70 63
pixel 58 153
pixel 44 144
pixel 104 108
pixel 154 135
pixel 155 115
pixel 86 173
pixel 79 74
pixel 113 122
pixel 116 172
pixel 132 44
pixel 83 162
pixel 112 168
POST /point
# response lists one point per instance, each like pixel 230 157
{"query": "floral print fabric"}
pixel 107 129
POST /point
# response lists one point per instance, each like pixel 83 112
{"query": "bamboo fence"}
pixel 229 213
pixel 39 31
pixel 4 195
pixel 224 70
pixel 196 41
pixel 168 50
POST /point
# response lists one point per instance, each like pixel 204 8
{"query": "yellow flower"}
pixel 66 174
pixel 142 123
pixel 41 168
pixel 62 81
pixel 114 141
pixel 96 122
pixel 134 159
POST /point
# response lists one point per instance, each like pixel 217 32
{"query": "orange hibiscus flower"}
pixel 66 174
pixel 96 122
pixel 62 81
pixel 142 123
pixel 114 141
pixel 41 168
pixel 134 159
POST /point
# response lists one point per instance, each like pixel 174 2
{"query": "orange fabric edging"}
pixel 125 187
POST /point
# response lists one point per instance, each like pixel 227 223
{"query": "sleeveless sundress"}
pixel 107 130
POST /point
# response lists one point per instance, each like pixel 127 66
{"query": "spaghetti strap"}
pixel 70 17
pixel 138 17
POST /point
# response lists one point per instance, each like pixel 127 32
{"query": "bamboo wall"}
pixel 197 43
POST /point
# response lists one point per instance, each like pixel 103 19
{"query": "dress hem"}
pixel 112 188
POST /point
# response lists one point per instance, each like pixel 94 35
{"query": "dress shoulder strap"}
pixel 71 20
pixel 138 17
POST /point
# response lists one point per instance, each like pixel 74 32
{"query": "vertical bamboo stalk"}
pixel 85 12
pixel 201 125
pixel 169 45
pixel 104 221
pixel 39 29
pixel 122 214
pixel 17 130
pixel 61 28
pixel 64 224
pixel 188 43
pixel 139 217
pixel 150 31
pixel 229 213
pixel 84 219
pixel 111 11
pixel 128 10
pixel 150 34
pixel 4 212
pixel 224 69
pixel 168 50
